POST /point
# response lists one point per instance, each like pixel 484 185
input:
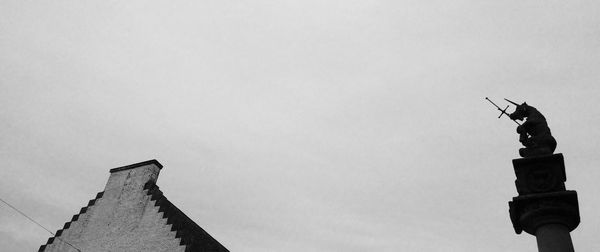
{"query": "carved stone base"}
pixel 540 174
pixel 529 212
pixel 542 198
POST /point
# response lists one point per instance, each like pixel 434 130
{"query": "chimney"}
pixel 125 181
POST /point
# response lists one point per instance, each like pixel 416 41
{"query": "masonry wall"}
pixel 131 214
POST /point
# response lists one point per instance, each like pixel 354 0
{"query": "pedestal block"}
pixel 540 174
pixel 544 207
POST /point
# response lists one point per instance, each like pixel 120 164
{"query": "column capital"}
pixel 529 212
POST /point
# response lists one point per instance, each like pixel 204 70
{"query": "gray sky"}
pixel 298 125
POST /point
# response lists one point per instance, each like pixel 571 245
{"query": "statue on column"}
pixel 543 208
pixel 534 133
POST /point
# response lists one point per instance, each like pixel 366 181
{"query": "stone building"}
pixel 132 214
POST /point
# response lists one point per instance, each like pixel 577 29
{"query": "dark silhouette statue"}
pixel 534 133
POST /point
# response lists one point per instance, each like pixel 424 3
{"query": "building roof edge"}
pixel 131 166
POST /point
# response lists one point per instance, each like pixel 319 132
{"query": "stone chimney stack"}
pixel 127 180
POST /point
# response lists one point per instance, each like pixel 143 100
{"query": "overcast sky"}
pixel 298 125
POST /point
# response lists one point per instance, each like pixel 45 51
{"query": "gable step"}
pixel 192 236
pixel 68 224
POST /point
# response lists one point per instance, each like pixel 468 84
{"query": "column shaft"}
pixel 554 238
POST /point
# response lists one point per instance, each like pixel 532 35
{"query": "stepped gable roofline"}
pixel 194 237
pixel 131 166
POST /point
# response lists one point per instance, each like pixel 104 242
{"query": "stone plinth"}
pixel 544 208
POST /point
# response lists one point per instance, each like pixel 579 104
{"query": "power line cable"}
pixel 37 223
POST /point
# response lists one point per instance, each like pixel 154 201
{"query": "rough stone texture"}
pixel 131 214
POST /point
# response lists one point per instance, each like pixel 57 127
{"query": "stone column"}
pixel 544 208
pixel 554 238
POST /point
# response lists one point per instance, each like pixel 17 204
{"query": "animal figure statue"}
pixel 534 133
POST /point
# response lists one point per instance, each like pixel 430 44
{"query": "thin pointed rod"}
pixel 514 103
pixel 503 110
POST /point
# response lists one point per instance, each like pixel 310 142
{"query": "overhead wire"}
pixel 37 223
